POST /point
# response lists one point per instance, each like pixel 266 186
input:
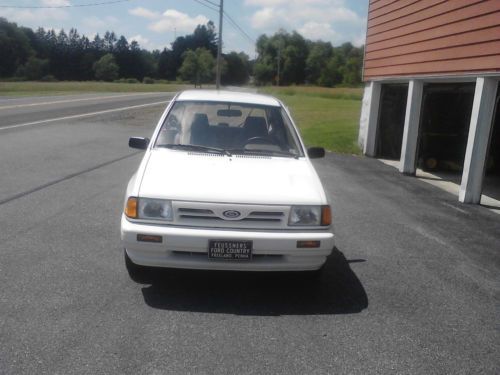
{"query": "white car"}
pixel 226 184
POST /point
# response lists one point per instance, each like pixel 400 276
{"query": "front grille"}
pixel 215 218
pixel 211 215
pixel 196 211
pixel 263 213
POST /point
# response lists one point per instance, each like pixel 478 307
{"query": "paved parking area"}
pixel 412 287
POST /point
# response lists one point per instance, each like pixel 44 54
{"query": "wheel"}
pixel 136 272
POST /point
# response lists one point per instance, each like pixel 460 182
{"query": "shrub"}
pixel 16 78
pixel 105 68
pixel 48 78
pixel 126 80
pixel 148 80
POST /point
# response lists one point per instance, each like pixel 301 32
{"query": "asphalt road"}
pixel 412 288
pixel 21 112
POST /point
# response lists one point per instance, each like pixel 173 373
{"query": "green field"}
pixel 327 117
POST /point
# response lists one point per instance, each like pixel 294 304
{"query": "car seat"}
pixel 254 127
pixel 200 130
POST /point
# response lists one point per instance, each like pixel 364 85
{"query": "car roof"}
pixel 228 96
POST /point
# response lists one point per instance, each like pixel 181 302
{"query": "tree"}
pixel 14 46
pixel 33 69
pixel 352 72
pixel 264 72
pixel 319 54
pixel 264 68
pixel 86 65
pixel 331 74
pixel 166 65
pixel 198 66
pixel 105 69
pixel 109 41
pixel 289 51
pixel 204 36
pixel 236 72
pixel 70 56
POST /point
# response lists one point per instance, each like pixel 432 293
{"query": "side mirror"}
pixel 138 142
pixel 316 152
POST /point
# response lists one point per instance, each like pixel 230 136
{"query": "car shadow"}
pixel 336 291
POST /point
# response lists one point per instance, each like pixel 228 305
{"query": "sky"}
pixel 155 24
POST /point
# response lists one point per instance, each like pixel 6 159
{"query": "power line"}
pixel 234 24
pixel 64 6
pixel 207 6
pixel 211 2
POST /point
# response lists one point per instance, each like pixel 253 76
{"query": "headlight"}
pixel 147 208
pixel 310 216
pixel 155 209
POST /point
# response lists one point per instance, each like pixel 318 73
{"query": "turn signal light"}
pixel 326 215
pixel 149 238
pixel 308 244
pixel 131 208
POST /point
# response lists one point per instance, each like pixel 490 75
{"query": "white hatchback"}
pixel 226 184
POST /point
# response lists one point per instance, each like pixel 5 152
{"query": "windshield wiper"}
pixel 263 152
pixel 196 148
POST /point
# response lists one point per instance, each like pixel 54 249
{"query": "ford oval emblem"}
pixel 231 214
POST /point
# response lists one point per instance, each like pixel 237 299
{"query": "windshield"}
pixel 229 128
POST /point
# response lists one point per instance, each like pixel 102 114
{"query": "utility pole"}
pixel 279 58
pixel 219 47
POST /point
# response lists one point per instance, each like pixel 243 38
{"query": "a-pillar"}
pixel 407 164
pixel 477 143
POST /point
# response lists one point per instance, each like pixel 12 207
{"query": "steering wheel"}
pixel 259 140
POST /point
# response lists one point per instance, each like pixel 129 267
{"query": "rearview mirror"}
pixel 138 142
pixel 229 113
pixel 316 152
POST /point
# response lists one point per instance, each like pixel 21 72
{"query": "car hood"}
pixel 204 177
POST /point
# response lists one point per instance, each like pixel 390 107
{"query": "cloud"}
pixel 330 20
pixel 36 17
pixel 144 13
pixel 143 42
pixel 56 30
pixel 265 3
pixel 359 40
pixel 55 3
pixel 172 19
pixel 315 31
pixel 296 14
pixel 96 23
pixel 263 18
pixel 169 20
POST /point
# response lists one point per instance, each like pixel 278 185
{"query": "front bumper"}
pixel 187 248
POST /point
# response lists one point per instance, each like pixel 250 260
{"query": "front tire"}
pixel 136 272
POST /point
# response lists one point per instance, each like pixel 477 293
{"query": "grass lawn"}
pixel 327 117
pixel 69 87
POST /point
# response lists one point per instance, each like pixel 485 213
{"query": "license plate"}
pixel 230 250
